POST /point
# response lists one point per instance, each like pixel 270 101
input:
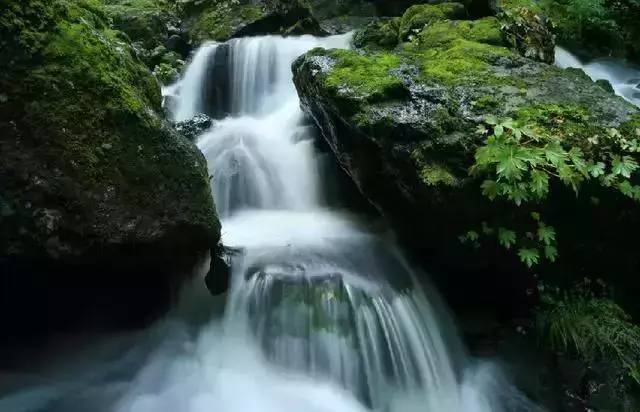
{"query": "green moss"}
pixel 464 62
pixel 81 97
pixel 369 77
pixel 219 21
pixel 486 103
pixel 433 174
pixel 568 121
pixel 378 34
pixel 417 16
pixel 441 34
pixel 631 128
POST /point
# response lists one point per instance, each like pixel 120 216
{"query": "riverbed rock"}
pixel 193 128
pixel 105 207
pixel 402 123
pixel 221 20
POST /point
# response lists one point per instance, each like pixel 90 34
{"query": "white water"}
pixel 321 316
pixel 624 78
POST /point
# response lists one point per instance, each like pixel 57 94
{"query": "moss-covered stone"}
pixel 89 167
pixel 222 19
pixel 529 31
pixel 421 15
pixel 403 123
pixel 144 21
pixel 378 34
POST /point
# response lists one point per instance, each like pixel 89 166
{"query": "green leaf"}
pixel 529 257
pixel 506 237
pixel 554 153
pixel 535 216
pixel 490 189
pixel 569 176
pixel 551 253
pixel 539 183
pixel 492 120
pixel 546 234
pixel 518 193
pixel 577 158
pixel 472 235
pixel 596 169
pixel 510 164
pixel 623 166
pixel 498 130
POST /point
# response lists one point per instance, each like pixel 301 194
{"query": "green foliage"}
pixel 603 26
pixel 520 164
pixel 531 246
pixel 419 15
pixel 590 326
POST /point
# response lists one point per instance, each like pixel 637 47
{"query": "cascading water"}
pixel 311 291
pixel 624 78
pixel 321 315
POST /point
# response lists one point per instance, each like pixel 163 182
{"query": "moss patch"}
pixel 220 20
pixel 417 16
pixel 369 77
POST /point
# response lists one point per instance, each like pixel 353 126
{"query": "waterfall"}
pixel 323 315
pixel 624 78
pixel 314 296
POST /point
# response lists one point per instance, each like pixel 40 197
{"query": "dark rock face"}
pixel 100 197
pixel 225 19
pixel 218 278
pixel 401 123
pixel 193 128
pixel 216 89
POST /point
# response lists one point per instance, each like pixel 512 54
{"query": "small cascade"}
pixel 624 78
pixel 322 315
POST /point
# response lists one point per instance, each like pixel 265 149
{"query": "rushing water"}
pixel 624 77
pixel 322 315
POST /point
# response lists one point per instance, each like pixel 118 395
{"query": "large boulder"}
pixel 402 123
pixel 104 206
pixel 221 20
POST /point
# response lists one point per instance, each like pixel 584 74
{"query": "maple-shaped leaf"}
pixel 546 234
pixel 529 256
pixel 490 189
pixel 506 237
pixel 551 253
pixel 596 169
pixel 623 166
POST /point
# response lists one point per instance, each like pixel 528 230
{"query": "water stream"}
pixel 624 77
pixel 322 315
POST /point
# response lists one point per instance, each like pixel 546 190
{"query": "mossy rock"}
pixel 221 20
pixel 90 171
pixel 378 34
pixel 144 21
pixel 402 122
pixel 421 15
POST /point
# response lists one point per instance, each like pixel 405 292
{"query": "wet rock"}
pixel 605 84
pixel 194 127
pixel 218 278
pixel 178 44
pixel 109 206
pixel 402 123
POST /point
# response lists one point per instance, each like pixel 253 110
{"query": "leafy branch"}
pixel 519 165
